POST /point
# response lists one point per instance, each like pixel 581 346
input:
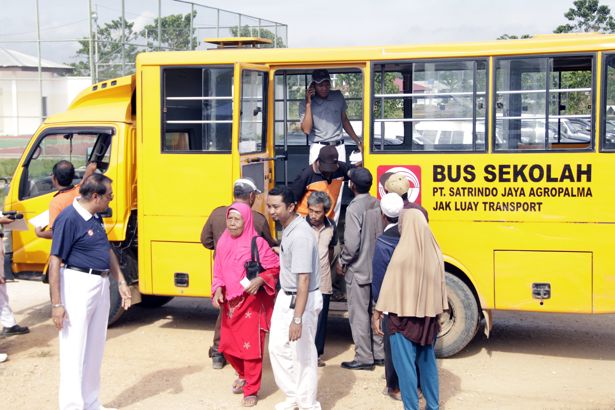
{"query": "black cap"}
pixel 362 178
pixel 320 75
pixel 327 159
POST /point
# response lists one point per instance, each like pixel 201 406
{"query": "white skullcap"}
pixel 391 205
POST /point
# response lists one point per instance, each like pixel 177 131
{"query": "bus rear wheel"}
pixel 459 324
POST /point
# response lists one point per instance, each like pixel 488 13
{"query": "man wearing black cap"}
pixel 323 116
pixel 355 264
pixel 326 174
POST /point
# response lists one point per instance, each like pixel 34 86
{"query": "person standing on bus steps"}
pixel 80 292
pixel 414 294
pixel 326 174
pixel 244 191
pixel 323 117
pixel 295 315
pixel 355 264
pixel 63 174
pixel 325 230
pixel 391 205
pixel 245 308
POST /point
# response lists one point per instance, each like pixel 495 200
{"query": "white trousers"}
pixel 82 338
pixel 295 364
pixel 6 314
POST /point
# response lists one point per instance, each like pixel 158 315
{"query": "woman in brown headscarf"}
pixel 414 294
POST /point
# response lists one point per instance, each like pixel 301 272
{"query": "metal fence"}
pixel 60 52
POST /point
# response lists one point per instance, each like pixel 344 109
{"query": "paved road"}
pixel 157 359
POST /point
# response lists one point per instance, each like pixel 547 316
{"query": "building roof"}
pixel 13 58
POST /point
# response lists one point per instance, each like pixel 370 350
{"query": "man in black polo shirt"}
pixel 80 292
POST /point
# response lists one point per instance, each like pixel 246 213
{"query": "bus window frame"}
pixel 306 70
pixel 264 109
pixel 485 59
pixel 162 117
pixel 493 95
pixel 603 101
pixel 111 131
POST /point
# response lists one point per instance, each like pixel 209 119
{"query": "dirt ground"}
pixel 157 359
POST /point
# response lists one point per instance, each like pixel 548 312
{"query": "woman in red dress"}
pixel 246 305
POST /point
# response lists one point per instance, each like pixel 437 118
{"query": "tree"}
pixel 175 33
pixel 110 61
pixel 251 31
pixel 588 16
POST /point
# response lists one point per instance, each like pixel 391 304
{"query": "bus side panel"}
pixel 176 194
pixel 520 274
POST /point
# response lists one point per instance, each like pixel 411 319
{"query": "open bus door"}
pixel 252 126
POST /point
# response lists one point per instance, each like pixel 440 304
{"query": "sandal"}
pixel 238 386
pixel 250 401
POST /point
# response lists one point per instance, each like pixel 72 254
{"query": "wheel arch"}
pixel 456 269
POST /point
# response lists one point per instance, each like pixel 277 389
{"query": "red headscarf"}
pixel 232 253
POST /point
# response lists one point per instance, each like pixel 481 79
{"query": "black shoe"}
pixel 379 362
pixel 15 330
pixel 354 365
pixel 218 361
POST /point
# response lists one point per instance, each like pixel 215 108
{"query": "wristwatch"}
pixel 297 320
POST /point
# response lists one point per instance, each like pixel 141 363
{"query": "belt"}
pixel 289 293
pixel 338 142
pixel 102 273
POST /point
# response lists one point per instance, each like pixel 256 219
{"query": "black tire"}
pixel 115 309
pixel 153 301
pixel 130 269
pixel 460 324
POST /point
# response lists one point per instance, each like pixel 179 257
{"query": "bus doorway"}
pixel 292 145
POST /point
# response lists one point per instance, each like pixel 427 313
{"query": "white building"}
pixel 21 108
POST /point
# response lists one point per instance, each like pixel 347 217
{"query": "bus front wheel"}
pixel 459 324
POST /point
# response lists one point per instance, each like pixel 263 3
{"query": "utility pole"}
pixel 40 68
pixel 91 48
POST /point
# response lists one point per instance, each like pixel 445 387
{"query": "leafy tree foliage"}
pixel 174 34
pixel 588 16
pixel 108 48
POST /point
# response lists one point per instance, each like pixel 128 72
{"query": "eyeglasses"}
pixel 108 196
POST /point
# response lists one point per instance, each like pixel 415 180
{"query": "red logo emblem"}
pixel 411 172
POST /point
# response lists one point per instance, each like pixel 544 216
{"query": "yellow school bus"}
pixel 508 144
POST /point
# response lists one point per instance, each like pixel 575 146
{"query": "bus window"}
pixel 76 147
pixel 253 128
pixel 543 103
pixel 429 106
pixel 197 109
pixel 608 115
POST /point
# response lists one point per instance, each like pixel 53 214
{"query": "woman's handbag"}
pixel 253 266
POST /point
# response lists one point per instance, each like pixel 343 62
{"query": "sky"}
pixel 315 23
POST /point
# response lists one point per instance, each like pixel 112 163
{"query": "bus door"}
pixel 34 190
pixel 251 124
pixel 291 143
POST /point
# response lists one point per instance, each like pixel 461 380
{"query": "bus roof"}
pixel 541 44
